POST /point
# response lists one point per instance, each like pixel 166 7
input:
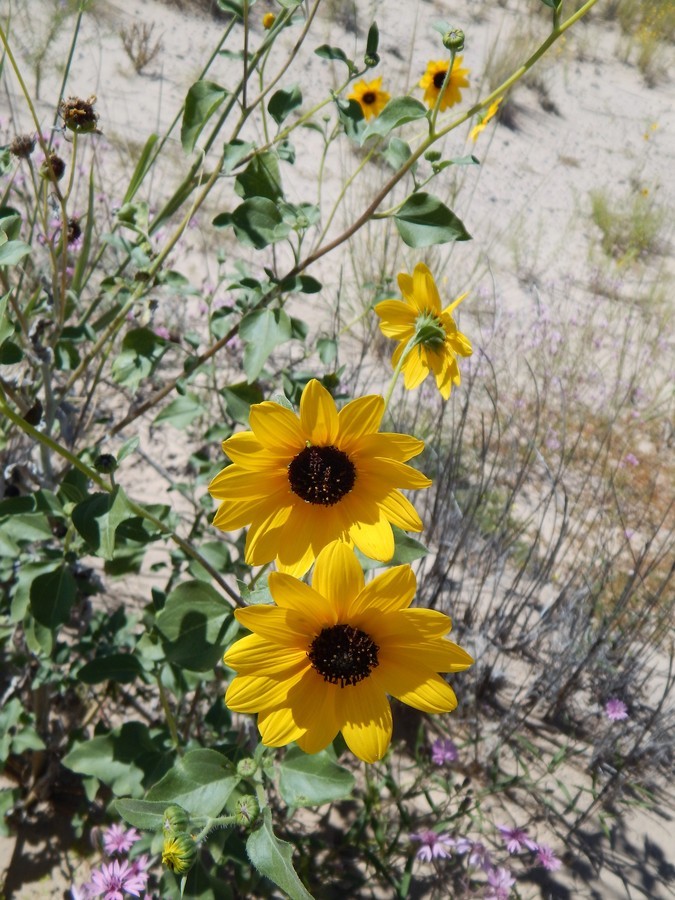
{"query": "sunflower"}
pixel 370 97
pixel 419 317
pixel 301 483
pixel 432 82
pixel 325 657
pixel 483 120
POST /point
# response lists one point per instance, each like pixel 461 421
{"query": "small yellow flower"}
pixel 326 658
pixel 482 121
pixel 370 97
pixel 432 82
pixel 420 313
pixel 302 482
pixel 268 20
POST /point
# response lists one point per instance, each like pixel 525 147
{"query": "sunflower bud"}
pixel 371 60
pixel 53 168
pixel 432 156
pixel 268 20
pixel 246 810
pixel 79 115
pixel 247 767
pixel 105 463
pixel 22 146
pixel 179 852
pixel 454 40
pixel 175 820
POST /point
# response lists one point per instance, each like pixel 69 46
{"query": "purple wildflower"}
pixel 500 882
pixel 547 858
pixel 433 846
pixel 443 752
pixel 516 839
pixel 630 460
pixel 479 856
pixel 118 840
pixel 616 710
pixel 112 880
pixel 140 865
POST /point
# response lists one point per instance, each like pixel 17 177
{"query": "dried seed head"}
pixel 79 115
pixel 53 168
pixel 74 232
pixel 22 146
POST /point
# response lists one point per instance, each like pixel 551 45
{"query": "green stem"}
pixel 439 99
pixel 170 718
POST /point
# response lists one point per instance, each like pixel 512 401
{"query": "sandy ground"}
pixel 527 206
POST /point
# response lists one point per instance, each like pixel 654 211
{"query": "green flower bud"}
pixel 175 820
pixel 432 156
pixel 246 810
pixel 371 60
pixel 105 463
pixel 179 852
pixel 247 767
pixel 454 40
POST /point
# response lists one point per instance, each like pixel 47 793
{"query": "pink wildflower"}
pixel 433 846
pixel 112 880
pixel 547 858
pixel 616 710
pixel 118 840
pixel 500 882
pixel 516 839
pixel 443 752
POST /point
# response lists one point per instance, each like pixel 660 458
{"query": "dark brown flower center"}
pixel 343 655
pixel 369 97
pixel 321 475
pixel 439 78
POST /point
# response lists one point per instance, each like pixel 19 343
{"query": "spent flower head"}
pixel 79 115
pixel 23 145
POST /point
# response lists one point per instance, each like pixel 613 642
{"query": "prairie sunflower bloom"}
pixel 325 657
pixel 370 97
pixel 301 483
pixel 482 122
pixel 419 316
pixel 432 82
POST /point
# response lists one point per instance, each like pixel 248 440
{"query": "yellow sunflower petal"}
pixel 375 540
pixel 300 564
pixel 405 285
pixel 245 450
pixel 283 627
pixel 420 688
pixel 359 418
pixel 237 513
pixel 254 655
pixel 415 368
pixel 277 428
pixel 385 473
pixel 277 727
pixel 397 319
pixel 439 655
pixel 425 289
pixel 365 714
pixel 338 577
pixel 235 483
pixel 313 703
pixel 250 693
pixel 392 590
pixel 309 528
pixel 318 414
pixel 387 445
pixel 413 627
pixel 264 535
pixel 290 593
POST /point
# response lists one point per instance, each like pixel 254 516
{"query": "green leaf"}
pixel 327 52
pixel 397 153
pixel 256 223
pixel 145 814
pixel 303 284
pixel 553 4
pixel 10 224
pixel 141 351
pixel 181 412
pixel 397 112
pixel 423 220
pixel 272 858
pixel 52 596
pixel 327 349
pixel 11 252
pixel 10 353
pixel 85 250
pixel 142 167
pixel 98 517
pixel 282 103
pixel 121 667
pixel 6 327
pixel 200 782
pixel 233 154
pixel 310 780
pixel 261 332
pixel 260 178
pixel 193 625
pixel 203 99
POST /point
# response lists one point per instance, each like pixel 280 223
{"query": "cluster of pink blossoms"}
pixel 120 877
